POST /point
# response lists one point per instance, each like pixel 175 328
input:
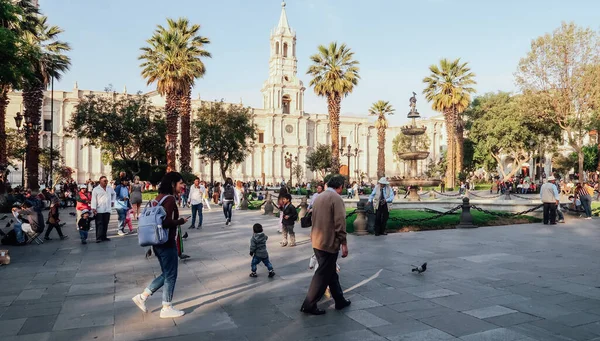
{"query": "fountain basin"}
pixel 415 182
pixel 413 155
pixel 410 130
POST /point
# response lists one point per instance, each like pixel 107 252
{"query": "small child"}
pixel 314 264
pixel 128 219
pixel 54 221
pixel 83 225
pixel 258 250
pixel 290 215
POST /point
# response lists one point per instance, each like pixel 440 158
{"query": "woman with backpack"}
pixel 228 197
pixel 171 185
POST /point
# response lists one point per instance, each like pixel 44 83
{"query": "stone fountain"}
pixel 414 155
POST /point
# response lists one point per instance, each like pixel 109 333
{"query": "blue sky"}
pixel 395 42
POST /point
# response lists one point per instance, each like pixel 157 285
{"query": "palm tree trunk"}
pixel 334 107
pixel 33 99
pixel 451 154
pixel 380 152
pixel 3 151
pixel 185 108
pixel 172 118
pixel 460 140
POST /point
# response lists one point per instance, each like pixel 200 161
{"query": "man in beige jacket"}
pixel 328 234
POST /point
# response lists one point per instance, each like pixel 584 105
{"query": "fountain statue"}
pixel 413 155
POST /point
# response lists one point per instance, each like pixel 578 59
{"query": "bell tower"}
pixel 283 92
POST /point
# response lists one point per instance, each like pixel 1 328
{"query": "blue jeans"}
pixel 19 232
pixel 227 206
pixel 256 261
pixel 183 201
pixel 586 202
pixel 83 234
pixel 122 214
pixel 197 209
pixel 168 260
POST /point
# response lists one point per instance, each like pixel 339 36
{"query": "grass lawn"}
pixel 441 223
pixel 149 195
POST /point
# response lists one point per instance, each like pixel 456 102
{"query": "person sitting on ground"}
pixel 258 251
pixel 575 203
pixel 260 196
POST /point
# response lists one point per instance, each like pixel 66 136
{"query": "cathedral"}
pixel 284 128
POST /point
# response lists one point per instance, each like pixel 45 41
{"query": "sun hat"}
pixel 85 211
pixel 383 181
pixel 551 178
pixel 82 186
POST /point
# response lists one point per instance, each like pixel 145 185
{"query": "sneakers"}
pixel 191 227
pixel 561 221
pixel 227 222
pixel 168 312
pixel 271 273
pixel 64 237
pixel 253 274
pixel 141 303
pixel 121 233
pixel 184 256
pixel 588 218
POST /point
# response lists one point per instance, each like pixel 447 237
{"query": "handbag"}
pixel 306 221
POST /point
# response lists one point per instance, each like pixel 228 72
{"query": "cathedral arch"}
pixel 285 49
pixel 285 103
pixel 277 48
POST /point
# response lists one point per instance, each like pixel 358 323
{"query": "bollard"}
pixel 360 224
pixel 303 208
pixel 370 213
pixel 507 195
pixel 466 219
pixel 268 205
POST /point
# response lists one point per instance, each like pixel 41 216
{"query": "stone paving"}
pixel 525 282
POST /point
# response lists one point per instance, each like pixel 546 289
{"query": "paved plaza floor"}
pixel 524 282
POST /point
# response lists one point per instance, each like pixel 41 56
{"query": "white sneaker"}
pixel 588 218
pixel 120 233
pixel 137 299
pixel 169 312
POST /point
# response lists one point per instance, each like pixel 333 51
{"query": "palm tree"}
pixel 380 109
pixel 335 74
pixel 16 19
pixel 172 60
pixel 49 62
pixel 448 88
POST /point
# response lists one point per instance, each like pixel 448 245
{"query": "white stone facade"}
pixel 283 126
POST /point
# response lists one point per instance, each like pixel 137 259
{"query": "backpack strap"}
pixel 163 199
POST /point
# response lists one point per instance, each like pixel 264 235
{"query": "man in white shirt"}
pixel 103 200
pixel 195 201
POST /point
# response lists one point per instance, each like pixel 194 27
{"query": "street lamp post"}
pixel 349 154
pixel 289 162
pixel 51 182
pixel 28 129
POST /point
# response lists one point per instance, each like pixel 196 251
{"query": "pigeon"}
pixel 185 235
pixel 420 269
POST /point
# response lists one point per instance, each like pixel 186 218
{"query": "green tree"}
pixel 125 127
pixel 334 75
pixel 16 20
pixel 558 76
pixel 298 171
pixel 224 133
pixel 173 61
pixel 50 159
pixel 380 109
pixel 320 160
pixel 500 127
pixel 402 143
pixel 49 62
pixel 449 89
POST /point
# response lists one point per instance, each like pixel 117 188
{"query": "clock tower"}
pixel 283 92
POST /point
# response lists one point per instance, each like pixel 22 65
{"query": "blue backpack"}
pixel 150 229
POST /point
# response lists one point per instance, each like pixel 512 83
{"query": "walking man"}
pixel 122 204
pixel 381 196
pixel 328 235
pixel 550 199
pixel 103 199
pixel 195 201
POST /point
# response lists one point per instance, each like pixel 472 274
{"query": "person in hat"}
pixel 381 196
pixel 550 199
pixel 83 198
pixel 83 225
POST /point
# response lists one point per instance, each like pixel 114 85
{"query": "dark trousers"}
pixel 325 276
pixel 54 226
pixel 197 210
pixel 102 220
pixel 381 218
pixel 549 213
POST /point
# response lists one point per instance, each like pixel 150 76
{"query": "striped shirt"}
pixel 581 191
